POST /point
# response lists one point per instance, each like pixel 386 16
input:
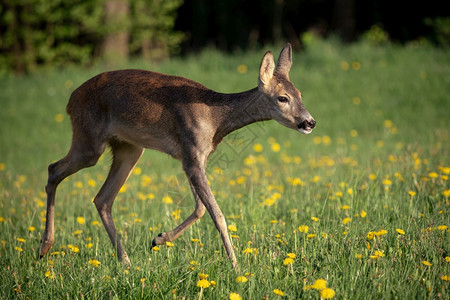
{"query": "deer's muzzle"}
pixel 307 126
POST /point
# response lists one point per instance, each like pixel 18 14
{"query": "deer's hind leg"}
pixel 125 157
pixel 84 152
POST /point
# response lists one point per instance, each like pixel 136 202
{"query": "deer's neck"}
pixel 240 109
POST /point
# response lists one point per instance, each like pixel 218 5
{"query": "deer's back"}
pixel 142 107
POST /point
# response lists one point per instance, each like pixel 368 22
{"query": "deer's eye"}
pixel 283 99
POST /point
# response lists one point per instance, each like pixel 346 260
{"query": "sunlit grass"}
pixel 359 208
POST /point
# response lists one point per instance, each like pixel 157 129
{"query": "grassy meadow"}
pixel 357 209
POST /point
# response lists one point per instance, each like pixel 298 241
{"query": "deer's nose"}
pixel 311 123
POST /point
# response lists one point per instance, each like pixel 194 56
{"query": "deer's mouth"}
pixel 306 126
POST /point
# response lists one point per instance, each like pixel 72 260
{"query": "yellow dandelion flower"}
pixel 381 232
pixel 426 263
pixel 95 263
pixel 213 283
pixel 358 256
pixel 400 231
pixel 276 147
pixel 169 244
pixel 370 235
pixel 446 193
pixel 315 219
pixel 155 248
pixel 232 228
pixel 80 220
pixel 363 214
pixel 235 296
pixel 59 118
pixel 412 193
pixel 442 227
pixel 258 148
pixel 378 253
pixel 278 292
pixel 195 240
pixel 346 220
pixel 319 284
pixel 445 277
pixel 433 175
pixel 241 279
pixel 202 276
pixel 31 228
pixel 447 258
pixel 49 274
pixel 291 255
pixel 288 261
pixel 303 228
pixel 89 245
pixel 327 293
pixel 2 166
pixel 21 240
pixel 310 236
pixel 345 207
pixel 387 182
pixel 167 200
pixel 242 69
pixel 203 283
pixel 18 249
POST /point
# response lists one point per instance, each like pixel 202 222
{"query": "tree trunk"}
pixel 345 19
pixel 115 42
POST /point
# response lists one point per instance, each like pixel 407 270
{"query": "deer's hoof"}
pixel 159 240
pixel 44 248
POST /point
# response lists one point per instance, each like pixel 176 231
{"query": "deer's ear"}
pixel 285 61
pixel 267 68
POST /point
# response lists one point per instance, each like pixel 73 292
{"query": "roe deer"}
pixel 130 110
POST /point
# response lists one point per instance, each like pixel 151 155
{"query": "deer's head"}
pixel 284 100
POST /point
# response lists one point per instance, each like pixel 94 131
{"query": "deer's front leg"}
pixel 199 184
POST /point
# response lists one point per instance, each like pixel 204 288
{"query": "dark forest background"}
pixel 37 33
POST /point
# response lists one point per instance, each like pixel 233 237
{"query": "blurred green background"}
pixel 59 33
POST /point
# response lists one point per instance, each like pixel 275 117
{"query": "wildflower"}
pixel 446 193
pixel 288 261
pixel 345 207
pixel 319 284
pixel 303 228
pixel 358 256
pixel 276 147
pixel 278 292
pixel 59 118
pixel 310 236
pixel 346 220
pixel 363 214
pixel 95 263
pixel 241 279
pixel 426 263
pixel 400 231
pixel 49 274
pixel 2 220
pixel 80 220
pixel 155 248
pixel 433 175
pixel 203 276
pixel 242 69
pixel 195 240
pixel 21 240
pixel 315 219
pixel 89 245
pixel 169 244
pixel 31 228
pixel 291 255
pixel 387 182
pixel 447 258
pixel 327 293
pixel 77 232
pixel 167 200
pixel 381 232
pixel 18 249
pixel 235 296
pixel 412 193
pixel 232 228
pixel 442 227
pixel 445 277
pixel 257 148
pixel 378 253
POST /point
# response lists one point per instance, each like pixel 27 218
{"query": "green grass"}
pixel 382 134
